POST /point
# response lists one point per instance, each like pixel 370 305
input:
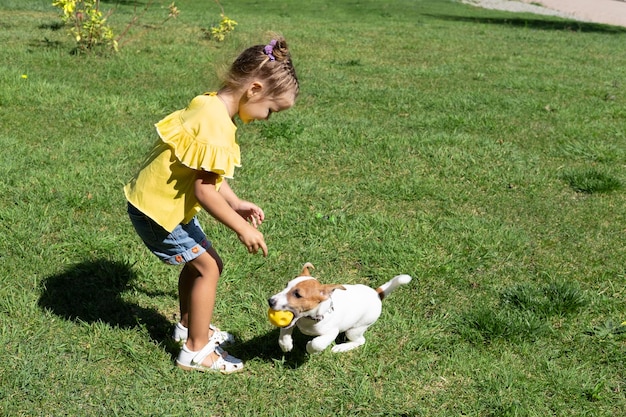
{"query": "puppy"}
pixel 325 311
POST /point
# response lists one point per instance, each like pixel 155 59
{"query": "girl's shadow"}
pixel 92 291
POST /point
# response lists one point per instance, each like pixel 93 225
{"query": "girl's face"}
pixel 255 105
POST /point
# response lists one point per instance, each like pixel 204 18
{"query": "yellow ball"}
pixel 280 318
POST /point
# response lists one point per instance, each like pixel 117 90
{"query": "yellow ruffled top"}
pixel 199 137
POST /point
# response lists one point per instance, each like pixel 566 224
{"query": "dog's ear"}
pixel 305 269
pixel 328 289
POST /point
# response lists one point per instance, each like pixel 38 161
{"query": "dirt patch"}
pixel 609 12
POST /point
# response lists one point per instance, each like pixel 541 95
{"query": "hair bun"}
pixel 280 50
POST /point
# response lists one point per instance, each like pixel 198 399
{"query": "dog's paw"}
pixel 311 348
pixel 344 347
pixel 286 344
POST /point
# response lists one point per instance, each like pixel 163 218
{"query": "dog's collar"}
pixel 321 317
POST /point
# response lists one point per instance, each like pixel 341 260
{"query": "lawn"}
pixel 481 152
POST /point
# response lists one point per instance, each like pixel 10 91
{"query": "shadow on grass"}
pixel 266 349
pixel 532 23
pixel 92 291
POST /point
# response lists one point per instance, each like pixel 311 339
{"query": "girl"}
pixel 186 171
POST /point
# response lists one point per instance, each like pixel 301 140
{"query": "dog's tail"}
pixel 386 289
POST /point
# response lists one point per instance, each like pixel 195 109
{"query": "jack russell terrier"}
pixel 326 311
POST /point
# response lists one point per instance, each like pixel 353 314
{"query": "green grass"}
pixel 483 153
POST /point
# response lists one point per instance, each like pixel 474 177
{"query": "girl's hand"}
pixel 251 212
pixel 253 240
pixel 242 217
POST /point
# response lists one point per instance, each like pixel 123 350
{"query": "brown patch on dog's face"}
pixel 308 294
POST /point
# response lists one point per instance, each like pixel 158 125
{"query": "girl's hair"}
pixel 270 63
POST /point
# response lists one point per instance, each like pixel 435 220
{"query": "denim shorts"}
pixel 185 243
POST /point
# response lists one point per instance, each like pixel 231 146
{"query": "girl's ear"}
pixel 254 88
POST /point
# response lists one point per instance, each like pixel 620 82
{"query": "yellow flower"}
pixel 24 76
pixel 174 12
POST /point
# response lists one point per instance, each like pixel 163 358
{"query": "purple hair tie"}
pixel 269 48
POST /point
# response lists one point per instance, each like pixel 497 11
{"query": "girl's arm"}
pixel 220 206
pixel 245 209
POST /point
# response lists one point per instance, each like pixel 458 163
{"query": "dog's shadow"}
pixel 266 348
pixel 92 291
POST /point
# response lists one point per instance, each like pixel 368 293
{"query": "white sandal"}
pixel 192 361
pixel 219 337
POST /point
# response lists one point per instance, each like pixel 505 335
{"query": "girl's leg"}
pixel 197 291
pixel 185 282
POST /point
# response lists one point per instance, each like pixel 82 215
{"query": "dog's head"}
pixel 304 296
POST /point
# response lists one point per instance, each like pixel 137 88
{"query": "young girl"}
pixel 186 171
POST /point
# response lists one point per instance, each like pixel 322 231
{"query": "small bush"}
pixel 88 24
pixel 219 30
